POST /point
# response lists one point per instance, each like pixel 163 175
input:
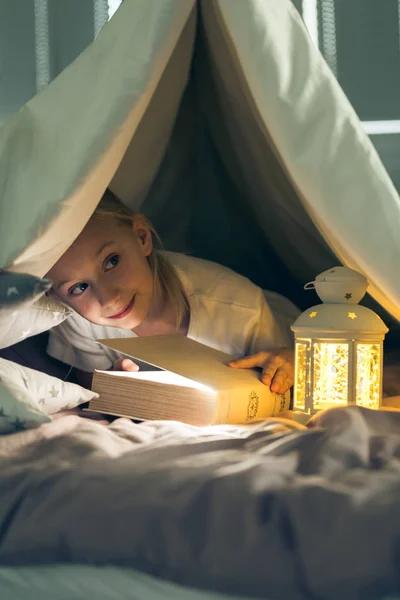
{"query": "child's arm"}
pixel 267 345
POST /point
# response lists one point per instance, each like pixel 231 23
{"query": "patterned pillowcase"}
pixel 17 412
pixel 24 309
pixel 28 397
pixel 18 290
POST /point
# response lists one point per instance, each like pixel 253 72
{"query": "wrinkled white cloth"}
pixel 272 509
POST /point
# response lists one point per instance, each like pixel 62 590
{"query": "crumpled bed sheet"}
pixel 272 509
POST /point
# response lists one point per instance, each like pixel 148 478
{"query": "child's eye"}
pixel 111 262
pixel 78 289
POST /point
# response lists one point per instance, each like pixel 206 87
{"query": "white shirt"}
pixel 227 312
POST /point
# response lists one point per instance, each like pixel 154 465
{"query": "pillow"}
pixel 26 321
pixel 28 397
pixel 17 412
pixel 18 289
pixel 24 309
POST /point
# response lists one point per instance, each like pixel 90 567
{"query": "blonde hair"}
pixel 110 207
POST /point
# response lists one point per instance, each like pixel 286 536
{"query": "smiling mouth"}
pixel 124 312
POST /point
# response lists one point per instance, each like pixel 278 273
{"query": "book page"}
pixel 157 377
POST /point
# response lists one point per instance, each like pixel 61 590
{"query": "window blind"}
pixel 360 41
pixel 39 38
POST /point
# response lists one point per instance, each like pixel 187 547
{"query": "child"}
pixel 118 285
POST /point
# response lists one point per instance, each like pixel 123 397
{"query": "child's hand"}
pixel 125 364
pixel 277 366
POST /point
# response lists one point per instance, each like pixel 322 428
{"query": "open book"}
pixel 193 385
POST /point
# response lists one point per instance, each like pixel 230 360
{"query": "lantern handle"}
pixel 310 285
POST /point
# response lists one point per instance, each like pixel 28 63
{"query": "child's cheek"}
pixel 123 276
pixel 87 307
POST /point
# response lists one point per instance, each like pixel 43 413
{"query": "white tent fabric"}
pixel 179 102
pixel 61 149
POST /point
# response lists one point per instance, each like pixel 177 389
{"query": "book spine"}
pixel 246 405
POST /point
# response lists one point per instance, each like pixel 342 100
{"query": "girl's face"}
pixel 105 276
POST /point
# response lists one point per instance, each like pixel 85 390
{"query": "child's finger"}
pixel 125 364
pixel 249 362
pixel 279 381
pixel 269 371
pixel 274 363
pixel 281 384
pixel 129 365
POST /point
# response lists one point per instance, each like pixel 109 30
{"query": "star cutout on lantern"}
pixel 313 315
pixel 56 315
pixel 352 316
pixel 348 296
pixel 12 290
pixel 53 392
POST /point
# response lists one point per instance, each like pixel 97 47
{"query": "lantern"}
pixel 339 346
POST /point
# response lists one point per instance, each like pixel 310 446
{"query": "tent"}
pixel 221 121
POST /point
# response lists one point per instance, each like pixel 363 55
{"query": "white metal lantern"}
pixel 339 346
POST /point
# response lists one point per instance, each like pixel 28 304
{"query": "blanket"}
pixel 272 509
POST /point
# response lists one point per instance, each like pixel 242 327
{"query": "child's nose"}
pixel 108 297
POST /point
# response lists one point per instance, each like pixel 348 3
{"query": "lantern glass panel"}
pixel 330 374
pixel 368 381
pixel 302 371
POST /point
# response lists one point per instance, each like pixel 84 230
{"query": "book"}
pixel 192 383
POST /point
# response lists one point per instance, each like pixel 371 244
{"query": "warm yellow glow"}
pixel 330 381
pixel 301 375
pixel 368 382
